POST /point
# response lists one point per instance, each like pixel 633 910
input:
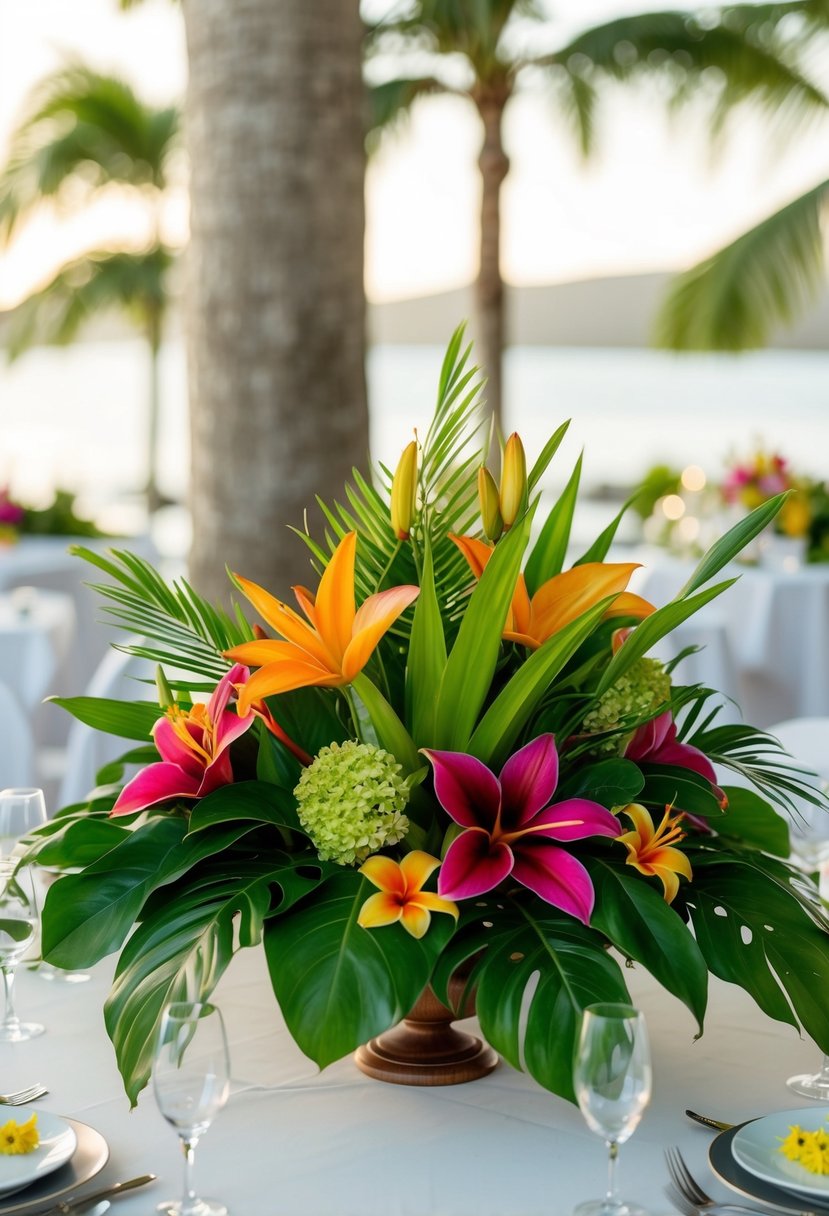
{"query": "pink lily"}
pixel 193 745
pixel 655 742
pixel 510 830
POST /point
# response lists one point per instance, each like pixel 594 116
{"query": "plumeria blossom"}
pixel 193 745
pixel 510 831
pixel 562 598
pixel 328 649
pixel 401 896
pixel 655 742
pixel 651 850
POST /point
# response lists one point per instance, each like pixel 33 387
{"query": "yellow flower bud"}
pixel 404 492
pixel 513 480
pixel 489 504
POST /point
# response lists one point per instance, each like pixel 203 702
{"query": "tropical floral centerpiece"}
pixel 58 518
pixel 760 477
pixel 452 751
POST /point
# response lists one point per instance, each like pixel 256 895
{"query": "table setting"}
pixel 420 892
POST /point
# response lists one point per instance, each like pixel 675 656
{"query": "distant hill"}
pixel 614 311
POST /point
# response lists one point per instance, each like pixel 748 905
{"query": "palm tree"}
pixel 472 49
pixel 733 299
pixel 84 132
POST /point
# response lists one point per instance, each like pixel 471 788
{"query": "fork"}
pixel 684 1205
pixel 690 1190
pixel 21 1097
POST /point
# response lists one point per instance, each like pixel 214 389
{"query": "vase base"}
pixel 467 1059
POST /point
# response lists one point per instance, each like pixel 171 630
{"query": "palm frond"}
pixel 389 103
pixel 735 298
pixel 471 28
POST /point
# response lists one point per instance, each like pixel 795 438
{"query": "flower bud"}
pixel 489 504
pixel 513 480
pixel 404 492
pixel 165 693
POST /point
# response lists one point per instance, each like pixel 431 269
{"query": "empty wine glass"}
pixel 612 1079
pixel 809 839
pixel 191 1078
pixel 18 926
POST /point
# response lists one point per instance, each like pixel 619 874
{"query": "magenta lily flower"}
pixel 193 745
pixel 510 831
pixel 656 742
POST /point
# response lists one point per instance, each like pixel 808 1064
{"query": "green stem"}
pixel 388 565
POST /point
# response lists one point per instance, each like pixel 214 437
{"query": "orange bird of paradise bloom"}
pixel 401 896
pixel 332 646
pixel 563 598
pixel 650 849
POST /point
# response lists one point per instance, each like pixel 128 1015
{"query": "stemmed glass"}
pixel 18 926
pixel 809 835
pixel 612 1079
pixel 191 1078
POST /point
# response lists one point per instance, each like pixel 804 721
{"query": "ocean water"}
pixel 74 417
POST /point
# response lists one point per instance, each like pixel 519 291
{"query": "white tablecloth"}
pixel 36 629
pixel 766 639
pixel 340 1144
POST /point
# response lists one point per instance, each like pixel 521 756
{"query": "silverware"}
pixel 22 1097
pixel 690 1190
pixel 684 1205
pixel 74 1206
pixel 706 1121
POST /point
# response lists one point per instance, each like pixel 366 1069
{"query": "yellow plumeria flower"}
pixel 401 897
pixel 18 1138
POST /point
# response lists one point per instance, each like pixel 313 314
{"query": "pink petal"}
pixel 555 875
pixel 650 736
pixel 174 751
pixel 473 865
pixel 216 774
pixel 224 690
pixel 229 727
pixel 156 783
pixel 465 788
pixel 528 781
pixel 594 820
pixel 683 755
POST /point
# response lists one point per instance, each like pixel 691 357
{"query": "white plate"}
pixel 756 1147
pixel 89 1159
pixel 57 1144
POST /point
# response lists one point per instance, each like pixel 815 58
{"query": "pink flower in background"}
pixel 11 513
pixel 510 831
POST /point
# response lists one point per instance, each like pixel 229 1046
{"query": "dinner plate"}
pixel 756 1147
pixel 724 1167
pixel 89 1158
pixel 57 1144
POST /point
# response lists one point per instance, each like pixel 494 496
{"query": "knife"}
pixel 715 1124
pixel 76 1206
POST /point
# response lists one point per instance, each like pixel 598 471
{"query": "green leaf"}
pixel 474 656
pixel 547 453
pixel 682 788
pixel 427 655
pixel 338 984
pixel 611 782
pixel 127 719
pixel 254 802
pixel 81 842
pixel 547 556
pixel 517 701
pixel 754 822
pixel 634 916
pixel 600 548
pixel 391 733
pixel 728 546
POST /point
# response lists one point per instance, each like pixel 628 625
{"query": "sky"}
pixel 650 199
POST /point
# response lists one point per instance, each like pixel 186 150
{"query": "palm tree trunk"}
pixel 276 310
pixel 491 99
pixel 154 331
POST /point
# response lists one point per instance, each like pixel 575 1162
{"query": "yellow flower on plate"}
pixel 18 1138
pixel 809 1149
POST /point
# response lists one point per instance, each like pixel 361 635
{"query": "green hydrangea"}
pixel 351 801
pixel 644 686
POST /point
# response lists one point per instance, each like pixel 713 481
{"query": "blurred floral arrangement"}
pixel 454 755
pixel 59 518
pixel 762 476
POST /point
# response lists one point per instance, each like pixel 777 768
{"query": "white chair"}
pixel 16 744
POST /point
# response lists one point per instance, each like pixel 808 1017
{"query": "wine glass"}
pixel 191 1078
pixel 809 838
pixel 18 926
pixel 612 1079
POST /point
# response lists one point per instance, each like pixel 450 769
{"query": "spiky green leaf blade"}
pixel 546 455
pixel 126 719
pixel 427 656
pixel 547 555
pixel 733 542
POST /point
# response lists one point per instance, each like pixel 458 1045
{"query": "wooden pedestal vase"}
pixel 426 1049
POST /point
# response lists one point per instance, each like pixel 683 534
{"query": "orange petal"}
pixel 670 883
pixel 334 602
pixel 520 610
pixel 566 596
pixel 378 910
pixel 435 903
pixel 264 651
pixel 385 874
pixel 523 639
pixel 284 677
pixel 628 604
pixel 642 822
pixel 669 858
pixel 305 599
pixel 415 919
pixel 375 617
pixel 285 621
pixel 475 551
pixel 416 868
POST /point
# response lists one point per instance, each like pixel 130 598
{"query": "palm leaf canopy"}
pixel 734 299
pixel 95 283
pixel 471 28
pixel 85 127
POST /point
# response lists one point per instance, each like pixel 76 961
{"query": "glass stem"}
pixel 611 1198
pixel 10 1018
pixel 189 1200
